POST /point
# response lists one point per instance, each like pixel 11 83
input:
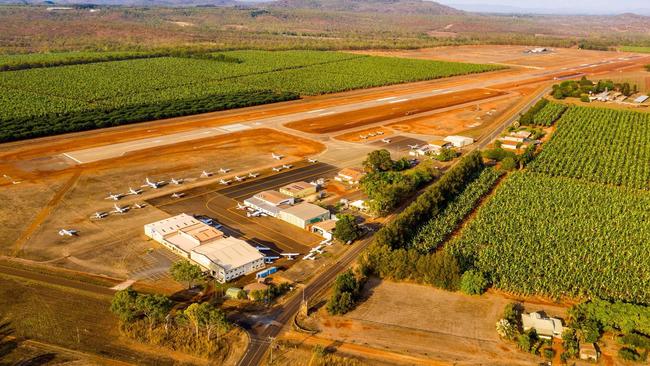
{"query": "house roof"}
pixel 440 143
pixel 352 173
pixel 173 224
pixel 544 325
pixel 297 186
pixel 229 252
pixel 202 232
pixel 327 225
pixel 305 211
pixel 272 197
pixel 255 286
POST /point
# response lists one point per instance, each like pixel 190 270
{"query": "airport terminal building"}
pixel 225 258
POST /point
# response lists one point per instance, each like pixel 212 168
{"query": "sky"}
pixel 561 6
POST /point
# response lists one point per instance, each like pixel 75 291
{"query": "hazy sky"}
pixel 588 5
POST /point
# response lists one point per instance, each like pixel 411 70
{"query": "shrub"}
pixel 629 354
pixel 473 282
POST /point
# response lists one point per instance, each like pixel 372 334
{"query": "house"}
pixel 640 99
pixel 588 352
pixel 509 146
pixel 545 326
pixel 459 141
pixel 324 229
pixel 350 175
pixel 182 233
pixel 304 214
pixel 233 292
pixel 360 205
pixel 421 151
pixel 299 189
pixel 512 139
pixel 269 202
pixel 521 134
pixel 438 145
pixel 255 286
pixel 228 258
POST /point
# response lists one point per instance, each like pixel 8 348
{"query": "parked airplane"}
pixel 205 174
pixel 178 194
pixel 224 170
pixel 309 257
pixel 372 134
pixel 224 182
pixel 413 146
pixel 277 156
pixel 287 166
pixel 315 249
pixel 240 179
pixel 290 256
pixel 99 215
pixel 386 141
pixel 261 248
pixel 277 169
pixel 312 161
pixel 241 207
pixel 270 259
pixel 363 137
pixel 319 251
pixel 134 191
pixel 68 232
pixel 379 132
pixel 176 181
pixel 254 214
pixel 120 210
pixel 114 197
pixel 154 185
pixel 140 205
pixel 253 175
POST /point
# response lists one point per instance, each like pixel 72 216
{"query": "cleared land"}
pixel 599 145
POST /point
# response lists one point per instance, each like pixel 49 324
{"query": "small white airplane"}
pixel 316 248
pixel 176 181
pixel 379 132
pixel 290 256
pixel 241 207
pixel 261 248
pixel 386 141
pixel 413 146
pixel 363 137
pixel 326 242
pixel 224 182
pixel 372 134
pixel 205 174
pixel 154 185
pixel 254 214
pixel 114 197
pixel 277 168
pixel 140 205
pixel 317 251
pixel 99 215
pixel 178 194
pixel 287 166
pixel 277 156
pixel 312 161
pixel 309 257
pixel 253 175
pixel 270 259
pixel 134 191
pixel 120 210
pixel 240 179
pixel 224 170
pixel 68 232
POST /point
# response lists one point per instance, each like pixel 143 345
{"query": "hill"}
pixel 371 6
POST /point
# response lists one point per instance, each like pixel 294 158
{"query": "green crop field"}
pixel 549 114
pixel 599 145
pixel 37 95
pixel 558 236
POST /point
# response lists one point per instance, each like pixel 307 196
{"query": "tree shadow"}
pixel 9 343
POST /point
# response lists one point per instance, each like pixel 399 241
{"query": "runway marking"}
pixel 316 111
pixel 398 101
pixel 384 99
pixel 75 159
pixel 326 113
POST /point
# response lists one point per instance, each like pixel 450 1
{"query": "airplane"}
pixel 224 182
pixel 114 197
pixel 240 179
pixel 99 215
pixel 140 205
pixel 371 134
pixel 413 146
pixel 261 248
pixel 120 210
pixel 176 181
pixel 277 168
pixel 386 141
pixel 290 256
pixel 316 249
pixel 379 132
pixel 287 166
pixel 253 175
pixel 154 185
pixel 312 160
pixel 319 251
pixel 309 257
pixel 68 232
pixel 205 174
pixel 224 170
pixel 363 137
pixel 241 207
pixel 178 194
pixel 270 259
pixel 134 191
pixel 254 214
pixel 277 156
pixel 326 242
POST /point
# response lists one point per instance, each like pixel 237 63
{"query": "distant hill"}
pixel 378 6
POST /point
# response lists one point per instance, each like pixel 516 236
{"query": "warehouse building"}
pixel 324 229
pixel 459 141
pixel 182 233
pixel 269 202
pixel 224 257
pixel 228 258
pixel 304 214
pixel 299 189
